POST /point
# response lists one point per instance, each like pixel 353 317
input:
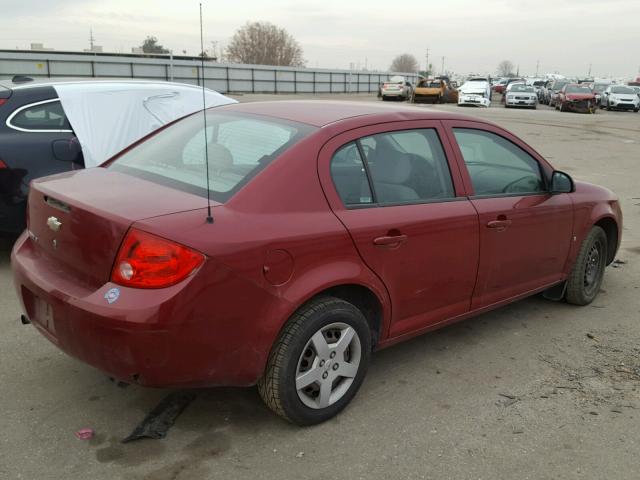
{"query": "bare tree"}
pixel 404 63
pixel 262 43
pixel 505 69
pixel 151 45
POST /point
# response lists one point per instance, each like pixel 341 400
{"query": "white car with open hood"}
pixel 476 91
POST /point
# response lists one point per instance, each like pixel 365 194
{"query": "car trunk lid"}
pixel 78 219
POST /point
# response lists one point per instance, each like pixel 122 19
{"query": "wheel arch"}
pixel 610 227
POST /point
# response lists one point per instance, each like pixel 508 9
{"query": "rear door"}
pixel 393 188
pixel 525 232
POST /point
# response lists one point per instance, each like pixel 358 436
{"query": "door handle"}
pixel 500 224
pixel 390 240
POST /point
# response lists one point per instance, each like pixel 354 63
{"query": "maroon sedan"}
pixel 337 228
pixel 576 98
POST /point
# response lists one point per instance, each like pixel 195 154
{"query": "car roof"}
pixel 320 113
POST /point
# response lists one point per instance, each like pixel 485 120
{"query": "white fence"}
pixel 217 76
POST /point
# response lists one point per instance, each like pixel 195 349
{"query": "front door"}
pixel 394 190
pixel 525 232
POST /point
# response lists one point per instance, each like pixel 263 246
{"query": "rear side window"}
pixel 238 147
pixel 350 177
pixel 406 166
pixel 41 116
pixel 497 166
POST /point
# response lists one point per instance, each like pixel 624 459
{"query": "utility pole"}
pixel 91 39
pixel 426 67
pixel 442 68
pixel 537 67
pixel 589 74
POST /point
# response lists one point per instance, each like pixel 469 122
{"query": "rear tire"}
pixel 587 273
pixel 311 342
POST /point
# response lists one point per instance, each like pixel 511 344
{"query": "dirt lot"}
pixel 537 390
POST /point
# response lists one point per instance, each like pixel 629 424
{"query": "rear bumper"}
pixel 393 93
pixel 160 338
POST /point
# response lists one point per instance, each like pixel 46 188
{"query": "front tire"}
pixel 586 276
pixel 318 362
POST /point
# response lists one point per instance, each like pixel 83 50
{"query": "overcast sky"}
pixel 473 35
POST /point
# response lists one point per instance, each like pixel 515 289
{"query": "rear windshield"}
pixel 238 147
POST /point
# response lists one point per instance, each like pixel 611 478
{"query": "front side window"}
pixel 237 148
pixel 496 165
pixel 43 116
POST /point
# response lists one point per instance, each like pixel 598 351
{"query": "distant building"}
pixel 94 49
pixel 40 47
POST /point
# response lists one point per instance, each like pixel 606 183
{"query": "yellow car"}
pixel 430 91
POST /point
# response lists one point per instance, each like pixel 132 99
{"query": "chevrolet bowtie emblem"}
pixel 54 224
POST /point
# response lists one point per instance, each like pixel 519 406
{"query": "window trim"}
pixel 30 130
pixel 359 206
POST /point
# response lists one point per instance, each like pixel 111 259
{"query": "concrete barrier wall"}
pixel 217 76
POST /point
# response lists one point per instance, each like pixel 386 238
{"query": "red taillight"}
pixel 3 165
pixel 147 261
pixel 3 101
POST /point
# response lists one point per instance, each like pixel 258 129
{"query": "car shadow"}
pixel 242 410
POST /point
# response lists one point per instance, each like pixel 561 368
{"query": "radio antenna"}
pixel 204 116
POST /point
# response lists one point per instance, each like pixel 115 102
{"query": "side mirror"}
pixel 561 183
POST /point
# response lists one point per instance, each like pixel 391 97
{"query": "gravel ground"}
pixel 536 390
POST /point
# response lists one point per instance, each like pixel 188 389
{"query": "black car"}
pixel 36 139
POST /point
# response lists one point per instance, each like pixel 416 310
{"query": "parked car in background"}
pixel 510 87
pixel 121 268
pixel 620 97
pixel 598 89
pixel 476 91
pixel 554 90
pixel 396 88
pixel 436 90
pixel 636 88
pixel 49 127
pixel 539 86
pixel 521 95
pixel 500 85
pixel 576 98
